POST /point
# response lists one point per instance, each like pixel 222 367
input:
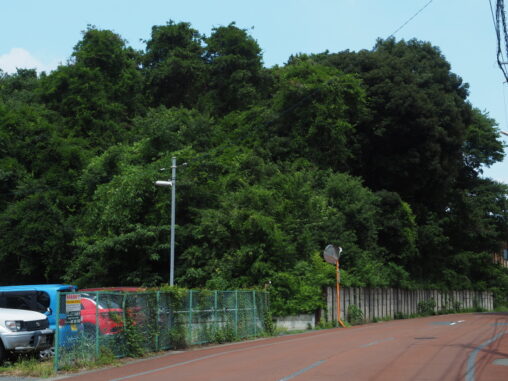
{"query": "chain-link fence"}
pixel 131 323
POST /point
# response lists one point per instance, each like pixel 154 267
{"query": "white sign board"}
pixel 73 309
pixel 72 303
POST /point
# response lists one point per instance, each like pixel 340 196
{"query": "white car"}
pixel 23 331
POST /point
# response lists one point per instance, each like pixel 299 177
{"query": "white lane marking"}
pixel 376 342
pixel 302 371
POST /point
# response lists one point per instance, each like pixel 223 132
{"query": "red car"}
pixel 107 313
pixel 116 289
pixel 110 308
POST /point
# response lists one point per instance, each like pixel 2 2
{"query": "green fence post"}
pixel 190 318
pixel 57 329
pixel 124 317
pixel 236 313
pixel 124 303
pixel 254 310
pixel 157 319
pixel 215 323
pixel 97 326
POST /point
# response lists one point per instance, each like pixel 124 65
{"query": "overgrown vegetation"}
pixel 379 151
pixel 426 307
pixel 354 315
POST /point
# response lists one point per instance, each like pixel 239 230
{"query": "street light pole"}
pixel 171 184
pixel 173 207
pixel 504 132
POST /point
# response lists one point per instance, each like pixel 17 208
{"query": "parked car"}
pixel 43 298
pixel 116 293
pixel 23 331
pixel 106 315
pixel 114 297
pixel 115 289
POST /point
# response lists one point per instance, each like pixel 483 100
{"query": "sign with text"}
pixel 73 308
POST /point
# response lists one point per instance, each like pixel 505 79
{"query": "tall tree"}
pixel 38 170
pixel 99 90
pixel 236 72
pixel 412 141
pixel 174 66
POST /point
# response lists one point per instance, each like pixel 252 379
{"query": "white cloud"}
pixel 23 59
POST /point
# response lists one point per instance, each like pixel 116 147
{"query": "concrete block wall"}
pixel 296 322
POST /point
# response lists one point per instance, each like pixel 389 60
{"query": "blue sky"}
pixel 42 34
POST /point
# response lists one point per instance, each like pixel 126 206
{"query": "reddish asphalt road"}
pixel 448 347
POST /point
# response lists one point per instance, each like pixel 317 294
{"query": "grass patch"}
pixel 28 367
pixel 501 309
pixel 106 358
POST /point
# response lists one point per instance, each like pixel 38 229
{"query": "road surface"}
pixel 448 347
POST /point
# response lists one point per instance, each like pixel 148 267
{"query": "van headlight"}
pixel 13 325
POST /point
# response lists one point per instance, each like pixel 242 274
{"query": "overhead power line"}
pixel 409 20
pixel 499 20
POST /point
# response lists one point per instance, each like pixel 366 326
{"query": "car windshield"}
pixel 105 301
pixel 25 300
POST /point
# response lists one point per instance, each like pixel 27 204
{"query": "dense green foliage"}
pixel 378 151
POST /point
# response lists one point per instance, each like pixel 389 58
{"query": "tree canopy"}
pixel 379 151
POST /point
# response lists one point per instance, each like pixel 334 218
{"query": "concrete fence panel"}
pixel 390 302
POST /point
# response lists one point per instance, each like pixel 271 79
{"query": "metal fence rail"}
pixel 131 323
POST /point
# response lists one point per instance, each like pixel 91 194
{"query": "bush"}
pixel 399 315
pixel 323 324
pixel 270 327
pixel 354 315
pixel 426 307
pixel 177 337
pixel 131 338
pixel 224 334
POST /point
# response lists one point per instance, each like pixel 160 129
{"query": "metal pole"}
pixel 189 330
pixel 338 296
pixel 97 330
pixel 157 320
pixel 173 198
pixel 255 312
pixel 56 342
pixel 236 313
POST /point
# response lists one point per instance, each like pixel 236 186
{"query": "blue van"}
pixel 42 298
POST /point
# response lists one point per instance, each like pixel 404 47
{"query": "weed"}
pixel 29 367
pixel 225 334
pixel 324 324
pixel 399 315
pixel 268 323
pixel 354 315
pixel 178 337
pixel 426 307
